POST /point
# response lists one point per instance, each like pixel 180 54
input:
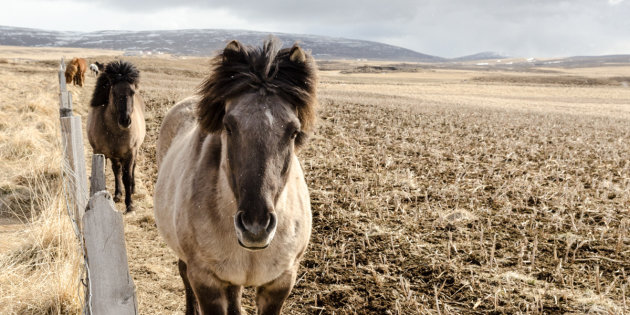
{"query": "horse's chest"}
pixel 114 145
pixel 253 268
pixel 222 256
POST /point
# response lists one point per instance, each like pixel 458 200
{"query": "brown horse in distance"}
pixel 75 71
pixel 231 199
pixel 71 71
pixel 115 124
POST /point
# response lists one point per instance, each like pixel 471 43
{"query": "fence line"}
pixel 112 288
pixel 71 182
pixel 108 287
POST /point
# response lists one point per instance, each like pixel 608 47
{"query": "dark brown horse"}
pixel 115 123
pixel 100 66
pixel 231 199
pixel 75 71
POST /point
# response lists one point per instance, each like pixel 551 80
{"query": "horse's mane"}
pixel 115 72
pixel 289 73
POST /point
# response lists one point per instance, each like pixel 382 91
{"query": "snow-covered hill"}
pixel 203 42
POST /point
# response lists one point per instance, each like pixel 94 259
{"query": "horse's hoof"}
pixel 130 209
pixel 117 198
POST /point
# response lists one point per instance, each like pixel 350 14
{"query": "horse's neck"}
pixel 205 152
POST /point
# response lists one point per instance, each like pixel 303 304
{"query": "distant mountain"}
pixel 486 55
pixel 595 61
pixel 204 42
pixel 581 61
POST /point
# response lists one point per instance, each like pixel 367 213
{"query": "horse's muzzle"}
pixel 124 123
pixel 255 235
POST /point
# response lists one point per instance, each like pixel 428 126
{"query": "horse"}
pixel 94 69
pixel 75 71
pixel 99 65
pixel 115 124
pixel 71 71
pixel 79 78
pixel 230 199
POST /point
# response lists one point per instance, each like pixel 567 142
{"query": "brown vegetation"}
pixel 38 251
pixel 432 193
pixel 568 80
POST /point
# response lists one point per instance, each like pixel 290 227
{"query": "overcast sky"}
pixel 446 28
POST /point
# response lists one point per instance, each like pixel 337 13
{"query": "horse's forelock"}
pixel 278 71
pixel 121 71
pixel 115 72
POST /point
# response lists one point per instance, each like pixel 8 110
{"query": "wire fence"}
pixel 83 285
pixel 71 183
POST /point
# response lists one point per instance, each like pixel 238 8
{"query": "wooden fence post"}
pixel 72 142
pixel 97 180
pixel 112 288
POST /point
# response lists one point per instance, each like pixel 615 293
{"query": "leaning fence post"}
pixel 72 142
pixel 111 287
pixel 97 179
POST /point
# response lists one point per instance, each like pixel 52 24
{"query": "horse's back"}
pixel 174 161
pixel 179 118
pixel 82 64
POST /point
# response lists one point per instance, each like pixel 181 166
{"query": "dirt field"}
pixel 433 192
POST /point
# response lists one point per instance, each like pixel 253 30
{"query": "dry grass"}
pixel 433 193
pixel 40 274
pixel 38 251
pixel 567 80
pixel 48 53
pixel 28 136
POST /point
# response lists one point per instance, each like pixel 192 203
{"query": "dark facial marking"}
pixel 260 133
pixel 123 94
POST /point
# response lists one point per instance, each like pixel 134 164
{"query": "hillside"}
pixel 203 42
pixel 486 55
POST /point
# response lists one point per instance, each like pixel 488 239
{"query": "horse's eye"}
pixel 294 134
pixel 228 131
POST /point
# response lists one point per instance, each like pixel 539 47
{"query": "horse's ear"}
pixel 297 55
pixel 232 52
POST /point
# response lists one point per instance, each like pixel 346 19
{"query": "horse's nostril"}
pixel 238 221
pixel 125 122
pixel 272 223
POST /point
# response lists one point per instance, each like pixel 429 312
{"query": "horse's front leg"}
pixel 127 177
pixel 191 302
pixel 133 175
pixel 117 167
pixel 212 295
pixel 271 296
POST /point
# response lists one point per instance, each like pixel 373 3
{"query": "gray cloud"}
pixel 444 28
pixel 282 10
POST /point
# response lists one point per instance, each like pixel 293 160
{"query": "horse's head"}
pixel 71 71
pixel 122 78
pixel 261 101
